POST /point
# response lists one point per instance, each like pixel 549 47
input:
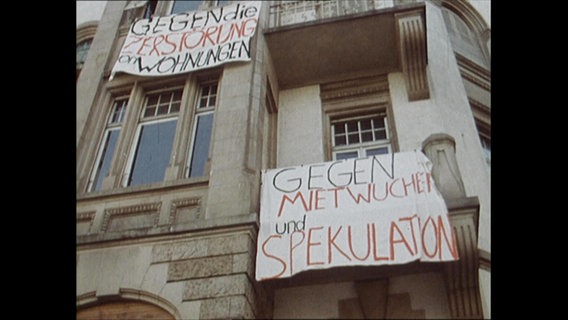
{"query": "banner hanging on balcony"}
pixel 380 210
pixel 189 41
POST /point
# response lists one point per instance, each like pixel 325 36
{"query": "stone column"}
pixel 461 275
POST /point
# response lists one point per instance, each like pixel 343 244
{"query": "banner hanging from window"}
pixel 189 41
pixel 379 210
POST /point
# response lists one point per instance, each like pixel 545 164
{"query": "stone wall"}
pixel 205 276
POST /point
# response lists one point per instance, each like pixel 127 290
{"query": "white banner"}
pixel 368 211
pixel 189 41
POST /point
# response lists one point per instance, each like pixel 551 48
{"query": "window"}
pixel 186 5
pixel 360 136
pixel 463 39
pixel 486 145
pixel 164 135
pixel 82 50
pixel 154 138
pixel 484 131
pixel 108 145
pixel 203 125
pixel 269 125
pixel 150 9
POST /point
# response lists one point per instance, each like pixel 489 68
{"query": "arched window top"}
pixel 85 34
pixel 127 304
pixel 125 309
pixel 82 50
pixel 468 31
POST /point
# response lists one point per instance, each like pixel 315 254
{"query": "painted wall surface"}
pixel 89 11
pixel 300 108
pixel 107 270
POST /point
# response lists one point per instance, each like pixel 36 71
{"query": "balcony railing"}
pixel 293 12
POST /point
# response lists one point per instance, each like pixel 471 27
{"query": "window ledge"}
pixel 147 188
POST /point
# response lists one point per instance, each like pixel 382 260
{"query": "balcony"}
pixel 292 12
pixel 313 42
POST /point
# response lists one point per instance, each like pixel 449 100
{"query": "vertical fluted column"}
pixel 411 38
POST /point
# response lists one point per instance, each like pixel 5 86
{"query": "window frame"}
pixel 203 5
pixel 484 134
pixel 197 112
pixel 361 147
pixel 356 97
pixel 464 38
pixel 269 114
pixel 85 32
pixel 136 89
pixel 172 4
pixel 102 143
pixel 143 121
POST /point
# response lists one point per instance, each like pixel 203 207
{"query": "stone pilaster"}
pixel 411 41
pixel 461 275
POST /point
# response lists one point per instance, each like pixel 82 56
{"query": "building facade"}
pixel 169 167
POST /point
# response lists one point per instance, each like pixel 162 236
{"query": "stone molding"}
pixel 135 210
pixel 182 203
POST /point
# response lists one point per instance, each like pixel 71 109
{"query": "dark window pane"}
pixel 153 100
pixel 185 5
pixel 152 153
pixel 200 151
pixel 166 98
pixel 106 157
pixel 212 101
pixel 340 140
pixel 352 126
pixel 149 112
pixel 378 123
pixel 339 127
pixel 367 136
pixel 380 134
pixel 150 8
pixel 163 109
pixel 205 91
pixel 175 107
pixel 346 155
pixel 366 124
pixel 377 151
pixel 177 95
pixel 353 138
pixel 203 103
